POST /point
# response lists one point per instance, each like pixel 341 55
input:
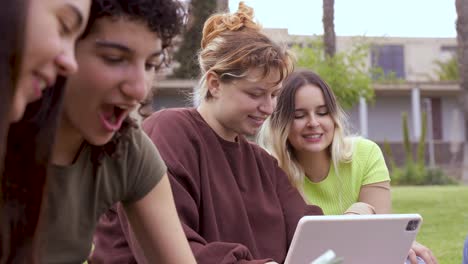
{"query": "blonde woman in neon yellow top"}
pixel 342 174
pixel 368 183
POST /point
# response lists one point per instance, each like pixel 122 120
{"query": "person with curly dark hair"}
pixel 235 203
pixel 100 156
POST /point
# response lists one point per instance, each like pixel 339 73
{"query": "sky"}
pixel 393 18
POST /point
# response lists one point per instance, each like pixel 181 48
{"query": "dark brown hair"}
pixel 29 148
pixel 12 25
pixel 12 21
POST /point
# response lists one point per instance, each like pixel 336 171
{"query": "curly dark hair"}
pixel 163 17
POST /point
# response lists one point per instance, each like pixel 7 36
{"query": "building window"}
pixel 450 49
pixel 390 58
pixel 436 107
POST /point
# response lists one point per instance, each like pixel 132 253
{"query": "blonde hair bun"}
pixel 219 23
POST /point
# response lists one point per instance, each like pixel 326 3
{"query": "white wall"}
pixel 452 126
pixel 384 118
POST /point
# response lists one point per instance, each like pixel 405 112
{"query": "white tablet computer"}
pixel 358 239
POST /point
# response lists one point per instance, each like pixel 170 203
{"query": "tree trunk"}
pixel 462 41
pixel 222 5
pixel 329 37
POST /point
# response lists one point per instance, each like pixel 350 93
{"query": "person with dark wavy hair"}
pixel 235 204
pixel 38 41
pixel 100 156
pixel 11 24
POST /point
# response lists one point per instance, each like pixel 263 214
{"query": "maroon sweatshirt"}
pixel 235 204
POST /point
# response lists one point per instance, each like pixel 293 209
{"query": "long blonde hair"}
pixel 233 44
pixel 273 135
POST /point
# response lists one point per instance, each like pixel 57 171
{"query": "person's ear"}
pixel 213 83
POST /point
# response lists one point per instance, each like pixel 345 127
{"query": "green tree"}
pixel 414 171
pixel 199 11
pixel 222 5
pixel 346 72
pixel 447 70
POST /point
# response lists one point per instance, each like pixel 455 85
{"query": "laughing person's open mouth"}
pixel 112 116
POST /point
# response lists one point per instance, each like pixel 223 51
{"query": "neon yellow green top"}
pixel 336 193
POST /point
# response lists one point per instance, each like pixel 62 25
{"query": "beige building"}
pixel 413 57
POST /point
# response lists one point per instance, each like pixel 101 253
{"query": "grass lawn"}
pixel 445 213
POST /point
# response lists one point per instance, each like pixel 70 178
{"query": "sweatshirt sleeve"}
pixel 113 240
pixel 176 139
pixel 215 252
pixel 294 206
